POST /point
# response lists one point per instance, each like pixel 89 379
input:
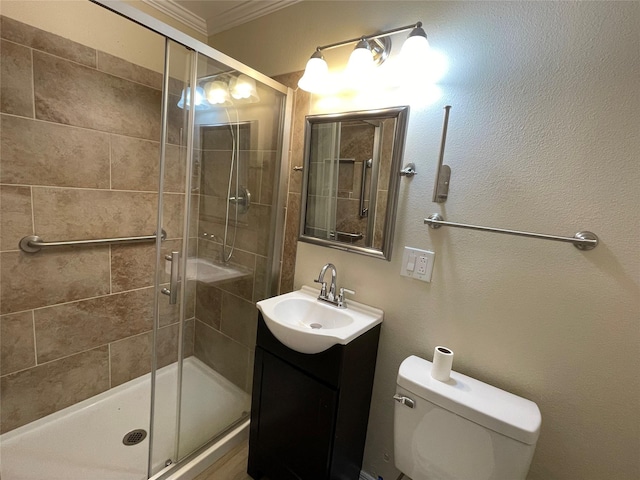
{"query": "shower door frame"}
pixel 277 217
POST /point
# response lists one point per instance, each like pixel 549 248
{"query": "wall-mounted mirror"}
pixel 351 178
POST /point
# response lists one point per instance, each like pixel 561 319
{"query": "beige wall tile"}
pixel 33 280
pixel 170 314
pixel 70 214
pixel 243 286
pixel 31 394
pixel 292 232
pixel 17 348
pixel 24 34
pixel 72 94
pixel 41 153
pixel 261 283
pixel 224 355
pixel 214 177
pixel 208 304
pixel 267 179
pixel 239 320
pixel 251 233
pixel 173 215
pixel 15 215
pixel 136 165
pixel 175 167
pixel 189 337
pixel 16 85
pixel 131 357
pixel 130 71
pixel 134 265
pixel 62 330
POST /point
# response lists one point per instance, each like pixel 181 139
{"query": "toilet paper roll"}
pixel 442 362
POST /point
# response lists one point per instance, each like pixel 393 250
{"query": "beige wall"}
pixel 543 137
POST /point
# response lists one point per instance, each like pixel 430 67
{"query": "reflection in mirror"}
pixel 351 179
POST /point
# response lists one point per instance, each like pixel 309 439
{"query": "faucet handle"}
pixel 323 289
pixel 343 290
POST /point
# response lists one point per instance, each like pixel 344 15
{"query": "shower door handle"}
pixel 172 291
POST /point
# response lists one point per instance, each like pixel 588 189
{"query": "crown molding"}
pixel 181 14
pixel 245 12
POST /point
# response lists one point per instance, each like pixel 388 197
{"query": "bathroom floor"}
pixel 232 466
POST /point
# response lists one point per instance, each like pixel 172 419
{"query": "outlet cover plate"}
pixel 417 264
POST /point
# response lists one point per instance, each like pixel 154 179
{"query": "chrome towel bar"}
pixel 581 240
pixel 33 243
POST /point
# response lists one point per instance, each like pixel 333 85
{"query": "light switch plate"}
pixel 417 264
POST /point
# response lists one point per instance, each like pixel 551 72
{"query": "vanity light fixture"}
pixel 370 51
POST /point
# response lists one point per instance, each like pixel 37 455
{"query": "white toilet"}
pixel 462 429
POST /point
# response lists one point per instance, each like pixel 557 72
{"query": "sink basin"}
pixel 308 325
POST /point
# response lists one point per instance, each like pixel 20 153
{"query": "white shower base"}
pixel 84 441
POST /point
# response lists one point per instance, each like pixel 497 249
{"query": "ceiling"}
pixel 209 17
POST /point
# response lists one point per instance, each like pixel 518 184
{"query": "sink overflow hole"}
pixel 134 437
pixel 315 326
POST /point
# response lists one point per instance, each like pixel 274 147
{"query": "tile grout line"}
pixel 33 215
pixel 109 362
pixel 80 299
pixel 33 85
pixel 35 343
pixel 110 163
pixel 110 268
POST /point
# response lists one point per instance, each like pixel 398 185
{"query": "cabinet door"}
pixel 297 419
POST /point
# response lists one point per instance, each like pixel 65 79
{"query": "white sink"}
pixel 308 325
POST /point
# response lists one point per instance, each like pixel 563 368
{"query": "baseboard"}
pixel 365 476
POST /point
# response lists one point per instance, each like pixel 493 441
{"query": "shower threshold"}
pixel 85 441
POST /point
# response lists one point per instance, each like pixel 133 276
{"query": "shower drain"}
pixel 134 437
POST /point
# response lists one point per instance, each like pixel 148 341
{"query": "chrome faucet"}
pixel 331 297
pixel 332 289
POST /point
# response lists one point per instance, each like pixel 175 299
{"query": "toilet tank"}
pixel 462 429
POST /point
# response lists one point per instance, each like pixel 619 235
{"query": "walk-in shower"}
pixel 127 356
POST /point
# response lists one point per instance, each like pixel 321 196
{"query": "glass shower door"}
pixel 232 165
pixel 175 273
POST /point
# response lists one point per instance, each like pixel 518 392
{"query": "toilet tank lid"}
pixel 484 404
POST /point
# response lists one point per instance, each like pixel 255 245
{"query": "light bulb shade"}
pixel 316 75
pixel 217 93
pixel 416 46
pixel 360 66
pixel 361 59
pixel 243 87
pixel 185 98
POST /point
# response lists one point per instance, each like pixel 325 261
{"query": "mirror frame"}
pixel 401 115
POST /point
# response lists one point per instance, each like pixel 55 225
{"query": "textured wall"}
pixel 543 137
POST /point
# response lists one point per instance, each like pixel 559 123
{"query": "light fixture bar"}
pixel 369 37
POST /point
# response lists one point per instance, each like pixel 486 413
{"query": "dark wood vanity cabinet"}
pixel 309 413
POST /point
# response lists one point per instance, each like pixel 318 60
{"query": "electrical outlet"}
pixel 417 264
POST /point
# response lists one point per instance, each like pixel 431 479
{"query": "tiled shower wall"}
pixel 226 316
pixel 302 103
pixel 79 160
